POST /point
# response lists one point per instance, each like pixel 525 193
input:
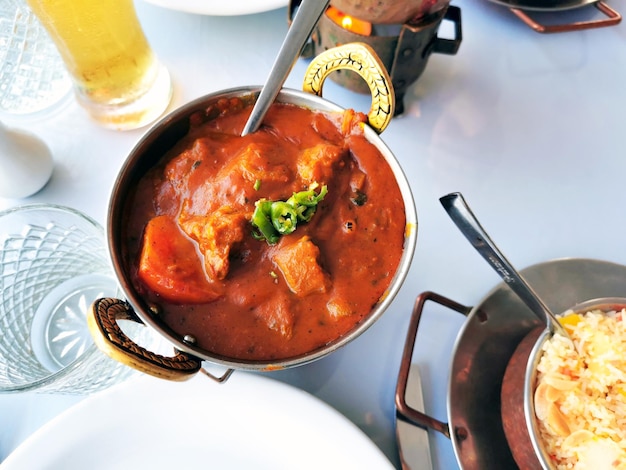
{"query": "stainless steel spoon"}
pixel 461 214
pixel 307 16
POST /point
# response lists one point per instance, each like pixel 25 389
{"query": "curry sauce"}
pixel 196 253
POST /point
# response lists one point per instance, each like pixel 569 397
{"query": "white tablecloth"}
pixel 530 127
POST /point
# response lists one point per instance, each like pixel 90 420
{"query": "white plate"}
pixel 249 422
pixel 221 7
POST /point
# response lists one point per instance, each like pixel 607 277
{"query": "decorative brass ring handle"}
pixel 109 338
pixel 362 59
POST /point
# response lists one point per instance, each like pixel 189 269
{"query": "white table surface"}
pixel 529 127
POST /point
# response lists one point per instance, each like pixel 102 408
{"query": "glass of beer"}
pixel 117 77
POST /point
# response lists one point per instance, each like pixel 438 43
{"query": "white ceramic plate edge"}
pixel 220 7
pixel 249 422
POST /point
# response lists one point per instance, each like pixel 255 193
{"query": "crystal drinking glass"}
pixel 53 265
pixel 33 77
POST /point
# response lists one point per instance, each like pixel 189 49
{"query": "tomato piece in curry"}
pixel 195 253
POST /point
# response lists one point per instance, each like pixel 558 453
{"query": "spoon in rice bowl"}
pixel 468 224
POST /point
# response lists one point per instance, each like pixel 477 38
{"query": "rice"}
pixel 580 397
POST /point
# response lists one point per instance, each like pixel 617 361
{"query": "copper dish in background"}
pixel 520 7
pixel 484 347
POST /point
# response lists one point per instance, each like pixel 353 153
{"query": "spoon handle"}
pixel 306 18
pixel 463 217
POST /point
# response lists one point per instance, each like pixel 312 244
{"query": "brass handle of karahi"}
pixel 362 59
pixel 102 320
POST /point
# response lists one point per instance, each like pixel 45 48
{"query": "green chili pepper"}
pixel 305 213
pixel 305 202
pixel 307 198
pixel 261 218
pixel 284 217
pixel 276 218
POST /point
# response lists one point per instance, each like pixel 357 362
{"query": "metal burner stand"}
pixel 404 54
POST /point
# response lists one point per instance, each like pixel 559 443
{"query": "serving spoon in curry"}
pixel 468 224
pixel 308 14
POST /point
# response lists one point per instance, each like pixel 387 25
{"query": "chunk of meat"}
pixel 339 308
pixel 234 183
pixel 184 164
pixel 216 234
pixel 169 265
pixel 254 162
pixel 315 164
pixel 278 316
pixel 298 263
